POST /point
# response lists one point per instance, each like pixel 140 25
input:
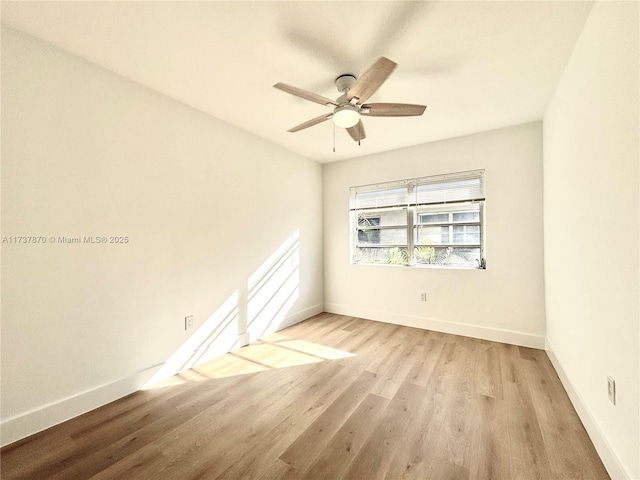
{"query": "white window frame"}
pixel 475 198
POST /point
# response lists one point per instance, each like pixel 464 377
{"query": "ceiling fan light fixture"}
pixel 346 116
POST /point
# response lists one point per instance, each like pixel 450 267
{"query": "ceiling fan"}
pixel 348 107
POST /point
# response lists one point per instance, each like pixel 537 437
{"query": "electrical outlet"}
pixel 611 389
pixel 188 322
pixel 423 297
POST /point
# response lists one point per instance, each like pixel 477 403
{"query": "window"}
pixel 428 221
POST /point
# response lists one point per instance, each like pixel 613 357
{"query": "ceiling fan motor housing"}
pixel 345 82
pixel 345 115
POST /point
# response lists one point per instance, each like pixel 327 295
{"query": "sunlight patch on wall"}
pixel 273 289
pixel 216 336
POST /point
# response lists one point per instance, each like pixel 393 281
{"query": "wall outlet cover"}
pixel 611 389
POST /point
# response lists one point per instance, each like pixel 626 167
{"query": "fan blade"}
pixel 298 92
pixel 371 80
pixel 357 131
pixel 311 123
pixel 392 110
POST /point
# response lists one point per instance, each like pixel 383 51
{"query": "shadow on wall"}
pixel 270 293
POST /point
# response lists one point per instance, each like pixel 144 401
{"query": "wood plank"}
pixel 557 422
pixel 458 386
pixel 396 368
pixel 304 450
pixel 488 371
pixel 341 451
pixel 417 455
pixel 490 455
pixel 422 371
pixel 377 454
pixel 529 457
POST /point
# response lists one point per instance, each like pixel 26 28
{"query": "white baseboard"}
pixel 301 315
pixel 20 426
pixel 475 331
pixel 612 463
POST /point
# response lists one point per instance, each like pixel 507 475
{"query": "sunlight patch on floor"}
pixel 315 349
pixel 278 352
pixel 274 356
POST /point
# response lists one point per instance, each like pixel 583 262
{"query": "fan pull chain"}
pixel 334 137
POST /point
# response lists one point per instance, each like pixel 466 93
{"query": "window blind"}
pixel 438 189
pixel 459 187
pixel 391 197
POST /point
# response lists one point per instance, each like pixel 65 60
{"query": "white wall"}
pixel 204 204
pixel 591 225
pixel 505 302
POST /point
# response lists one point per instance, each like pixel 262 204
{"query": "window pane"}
pixel 451 256
pixel 466 216
pixel 455 212
pixel 385 218
pixel 458 234
pixel 466 234
pixel 472 234
pixel 368 220
pixel 387 236
pixel 369 236
pixel 388 256
pixel 432 235
pixel 444 234
pixel 433 218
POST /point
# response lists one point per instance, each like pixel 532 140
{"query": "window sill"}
pixel 420 267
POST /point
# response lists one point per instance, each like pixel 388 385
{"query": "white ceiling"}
pixel 476 65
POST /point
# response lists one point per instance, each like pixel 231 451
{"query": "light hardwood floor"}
pixel 333 397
